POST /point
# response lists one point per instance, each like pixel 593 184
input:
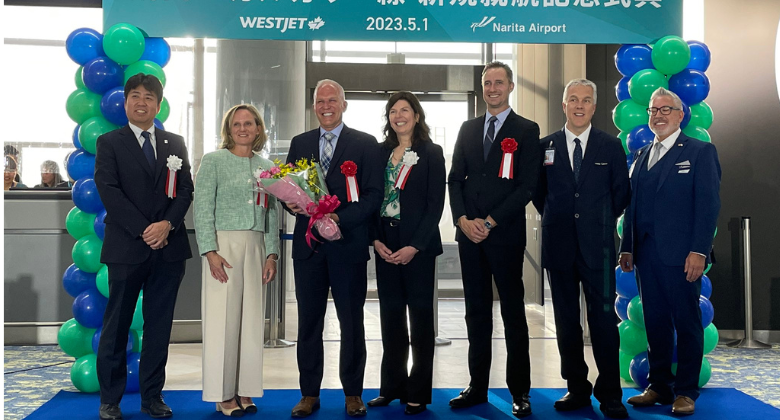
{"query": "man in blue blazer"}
pixel 667 233
pixel 583 189
pixel 339 266
pixel 145 246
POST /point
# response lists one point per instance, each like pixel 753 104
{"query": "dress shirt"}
pixel 570 142
pixel 666 145
pixel 153 137
pixel 336 132
pixel 500 118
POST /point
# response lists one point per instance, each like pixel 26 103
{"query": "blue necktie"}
pixel 577 161
pixel 327 152
pixel 148 149
pixel 489 137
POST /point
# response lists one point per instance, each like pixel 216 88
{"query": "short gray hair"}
pixel 665 92
pixel 333 83
pixel 579 82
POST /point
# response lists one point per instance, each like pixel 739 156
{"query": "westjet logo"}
pixel 280 23
pixel 485 22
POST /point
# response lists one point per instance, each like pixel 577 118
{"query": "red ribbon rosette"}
pixel 508 146
pixel 326 227
pixel 349 169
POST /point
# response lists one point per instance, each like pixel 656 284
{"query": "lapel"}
pixel 479 135
pixel 640 162
pixel 671 158
pixel 163 151
pixel 131 143
pixel 562 155
pixel 341 145
pixel 589 158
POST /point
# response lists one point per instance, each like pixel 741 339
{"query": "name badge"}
pixel 549 157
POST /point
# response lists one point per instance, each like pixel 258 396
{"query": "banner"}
pixel 509 21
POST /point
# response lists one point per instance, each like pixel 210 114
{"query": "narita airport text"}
pixel 534 27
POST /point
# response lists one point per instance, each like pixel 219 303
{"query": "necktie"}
pixel 577 161
pixel 148 148
pixel 656 155
pixel 489 137
pixel 327 152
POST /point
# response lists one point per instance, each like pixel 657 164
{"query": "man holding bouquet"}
pixel 352 169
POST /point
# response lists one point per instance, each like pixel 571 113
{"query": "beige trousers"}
pixel 233 316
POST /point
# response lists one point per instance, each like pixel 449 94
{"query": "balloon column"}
pixel 105 62
pixel 679 66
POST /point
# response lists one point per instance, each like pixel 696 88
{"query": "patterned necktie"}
pixel 656 155
pixel 148 149
pixel 577 161
pixel 489 137
pixel 327 152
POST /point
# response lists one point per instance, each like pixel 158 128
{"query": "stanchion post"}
pixel 439 341
pixel 748 342
pixel 276 291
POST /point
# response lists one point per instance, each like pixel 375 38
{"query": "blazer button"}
pixel 248 180
pixel 576 215
pixel 577 195
pixel 249 202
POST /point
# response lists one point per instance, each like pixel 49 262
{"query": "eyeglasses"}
pixel 665 110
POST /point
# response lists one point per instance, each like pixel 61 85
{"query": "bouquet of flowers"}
pixel 300 184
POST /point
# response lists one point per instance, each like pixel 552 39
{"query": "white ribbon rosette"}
pixel 408 161
pixel 261 198
pixel 174 165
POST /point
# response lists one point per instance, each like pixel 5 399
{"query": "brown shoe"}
pixel 305 406
pixel 355 406
pixel 683 405
pixel 648 398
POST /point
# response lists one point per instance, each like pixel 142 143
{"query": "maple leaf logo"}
pixel 316 23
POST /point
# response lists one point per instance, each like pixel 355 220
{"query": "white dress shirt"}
pixel 153 137
pixel 570 142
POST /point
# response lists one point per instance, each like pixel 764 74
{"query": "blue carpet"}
pixel 714 403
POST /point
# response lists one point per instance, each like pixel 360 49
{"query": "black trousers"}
pixel 314 277
pixel 599 288
pixel 670 302
pixel 160 282
pixel 480 265
pixel 399 287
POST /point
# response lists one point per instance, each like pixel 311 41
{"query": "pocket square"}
pixel 685 163
pixel 683 171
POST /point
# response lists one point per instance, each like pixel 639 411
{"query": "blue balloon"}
pixel 631 58
pixel 629 159
pixel 700 56
pixel 707 311
pixel 686 116
pixel 102 74
pixel 158 124
pixel 100 225
pixel 76 141
pixel 84 44
pixel 156 50
pixel 81 164
pixel 112 106
pixel 88 308
pixel 625 284
pixel 639 137
pixel 133 364
pixel 86 197
pixel 639 369
pixel 692 86
pixel 96 341
pixel 621 307
pixel 621 89
pixel 76 281
pixel 706 287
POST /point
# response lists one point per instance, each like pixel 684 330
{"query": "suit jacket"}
pixel 476 188
pixel 583 214
pixel 354 218
pixel 134 195
pixel 687 201
pixel 422 201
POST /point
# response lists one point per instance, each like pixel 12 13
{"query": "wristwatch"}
pixel 488 225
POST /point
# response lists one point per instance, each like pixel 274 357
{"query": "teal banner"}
pixel 510 21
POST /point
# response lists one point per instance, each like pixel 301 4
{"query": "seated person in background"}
pixel 50 175
pixel 13 151
pixel 10 175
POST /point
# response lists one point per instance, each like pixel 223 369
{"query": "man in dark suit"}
pixel 583 189
pixel 145 246
pixel 667 232
pixel 339 266
pixel 494 172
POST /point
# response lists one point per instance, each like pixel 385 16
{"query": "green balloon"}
pixel 101 280
pixel 75 339
pixel 716 232
pixel 697 133
pixel 165 110
pixel 643 83
pixel 79 224
pixel 706 372
pixel 138 315
pixel 93 128
pixel 625 364
pixel 83 374
pixel 671 55
pixel 82 105
pixel 708 268
pixel 623 136
pixel 635 313
pixel 711 337
pixel 633 339
pixel 629 114
pixel 620 226
pixel 145 67
pixel 80 78
pixel 124 43
pixel 86 254
pixel 138 340
pixel 701 115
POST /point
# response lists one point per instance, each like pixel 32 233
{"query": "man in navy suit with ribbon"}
pixel 667 234
pixel 583 189
pixel 353 171
pixel 145 246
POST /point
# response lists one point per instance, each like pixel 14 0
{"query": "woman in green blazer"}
pixel 237 233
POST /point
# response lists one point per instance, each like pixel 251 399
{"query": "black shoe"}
pixel 380 401
pixel 614 409
pixel 110 412
pixel 414 409
pixel 468 397
pixel 521 407
pixel 571 402
pixel 156 408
